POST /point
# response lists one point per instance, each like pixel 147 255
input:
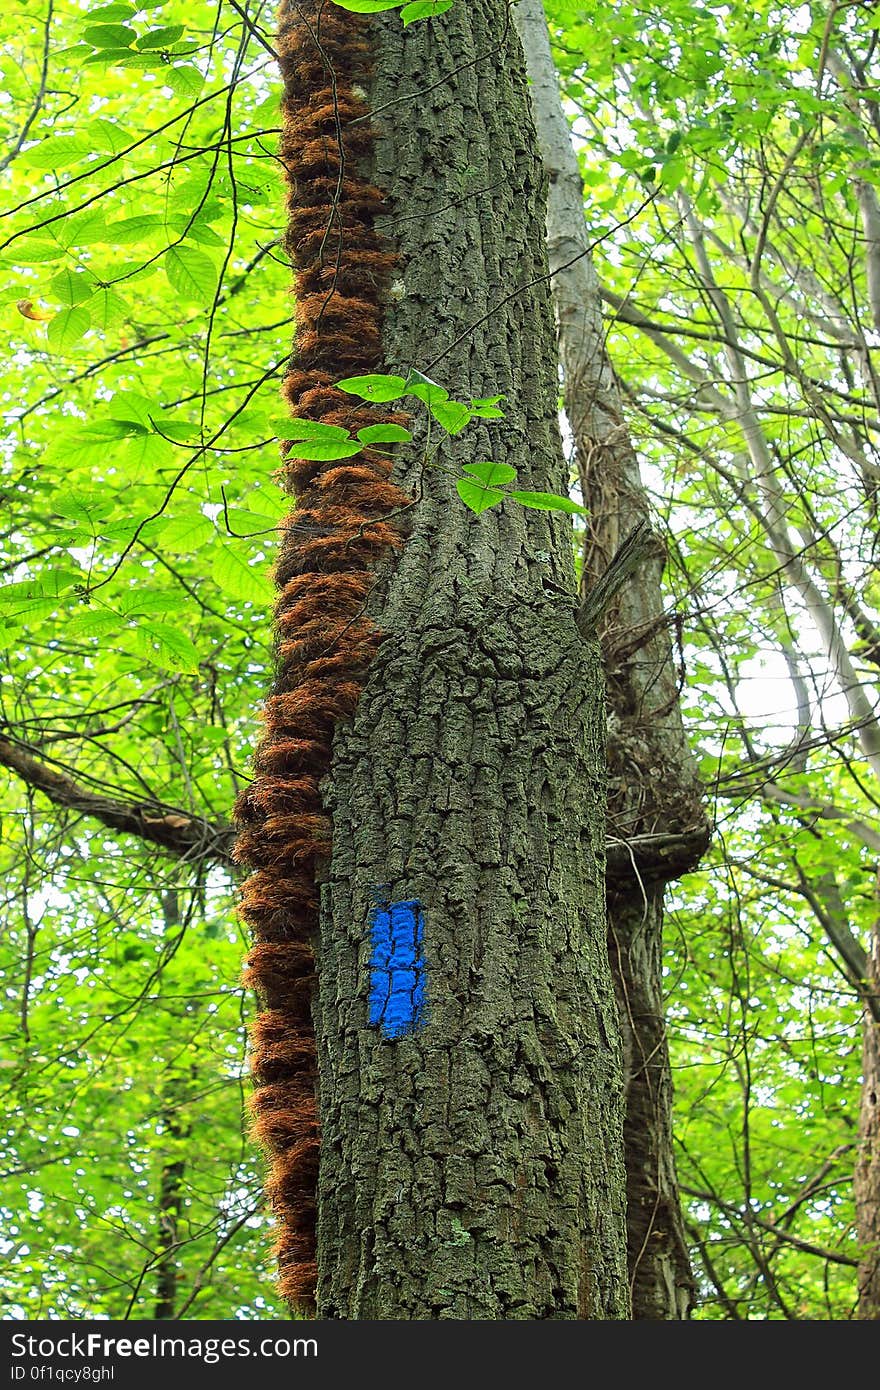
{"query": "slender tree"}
pixel 657 827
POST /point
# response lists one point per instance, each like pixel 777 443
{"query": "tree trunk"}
pixel 471 1148
pixel 171 1183
pixel 867 1173
pixel 656 819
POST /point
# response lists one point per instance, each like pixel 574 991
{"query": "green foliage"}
pixel 143 298
pixel 410 10
pixel 729 167
pixel 485 487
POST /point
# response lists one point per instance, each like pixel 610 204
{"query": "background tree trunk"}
pixel 653 791
pixel 472 1168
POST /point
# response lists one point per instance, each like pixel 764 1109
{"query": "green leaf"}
pixel 486 408
pixel 30 251
pixel 161 38
pixel 109 35
pixel 246 524
pixel 108 309
pixel 325 451
pixel 491 474
pixel 135 229
pixel 185 80
pixel 84 446
pixel 65 329
pixel 384 434
pixel 57 152
pixel 308 429
pixel 133 408
pixel 93 622
pixel 476 497
pixel 452 415
pixel 52 584
pixel 110 14
pixel 108 135
pixel 203 234
pixel 175 651
pixel 88 228
pixel 236 579
pixel 427 391
pixel 368 6
pixel 140 451
pixel 185 534
pixel 549 502
pixel 373 386
pixel 139 602
pixel 191 273
pixel 73 286
pixel 424 9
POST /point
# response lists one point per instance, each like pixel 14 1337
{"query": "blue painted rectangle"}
pixel 397 969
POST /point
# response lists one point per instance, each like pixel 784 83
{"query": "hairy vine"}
pixel 338 531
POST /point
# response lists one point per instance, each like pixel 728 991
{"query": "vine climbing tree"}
pixel 432 765
pixel 464 1111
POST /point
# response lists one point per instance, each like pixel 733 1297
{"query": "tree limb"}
pixel 189 837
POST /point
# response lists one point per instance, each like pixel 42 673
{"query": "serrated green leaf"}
pixel 491 474
pixel 97 622
pixel 88 228
pixel 236 579
pixel 139 602
pixel 16 622
pixel 58 152
pixel 185 534
pixel 73 286
pixel 65 329
pixel 203 234
pixel 31 251
pixel 110 14
pixel 476 497
pixel 108 309
pixel 424 9
pixel 185 80
pixel 51 584
pixel 244 524
pixel 161 38
pixel 549 502
pixel 191 273
pixel 109 35
pixel 140 451
pixel 373 386
pixel 136 229
pixel 132 407
pixel 384 434
pixel 108 135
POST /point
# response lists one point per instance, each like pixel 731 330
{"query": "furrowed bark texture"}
pixel 653 786
pixel 867 1172
pixel 471 1168
pixel 339 531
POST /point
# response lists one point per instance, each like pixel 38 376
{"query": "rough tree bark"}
pixel 654 793
pixel 472 1167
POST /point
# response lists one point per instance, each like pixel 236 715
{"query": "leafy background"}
pixel 145 300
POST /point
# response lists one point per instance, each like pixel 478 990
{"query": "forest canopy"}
pixel 730 157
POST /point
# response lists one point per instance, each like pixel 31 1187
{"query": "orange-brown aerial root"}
pixel 346 518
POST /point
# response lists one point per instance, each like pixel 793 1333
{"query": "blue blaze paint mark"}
pixel 397 969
